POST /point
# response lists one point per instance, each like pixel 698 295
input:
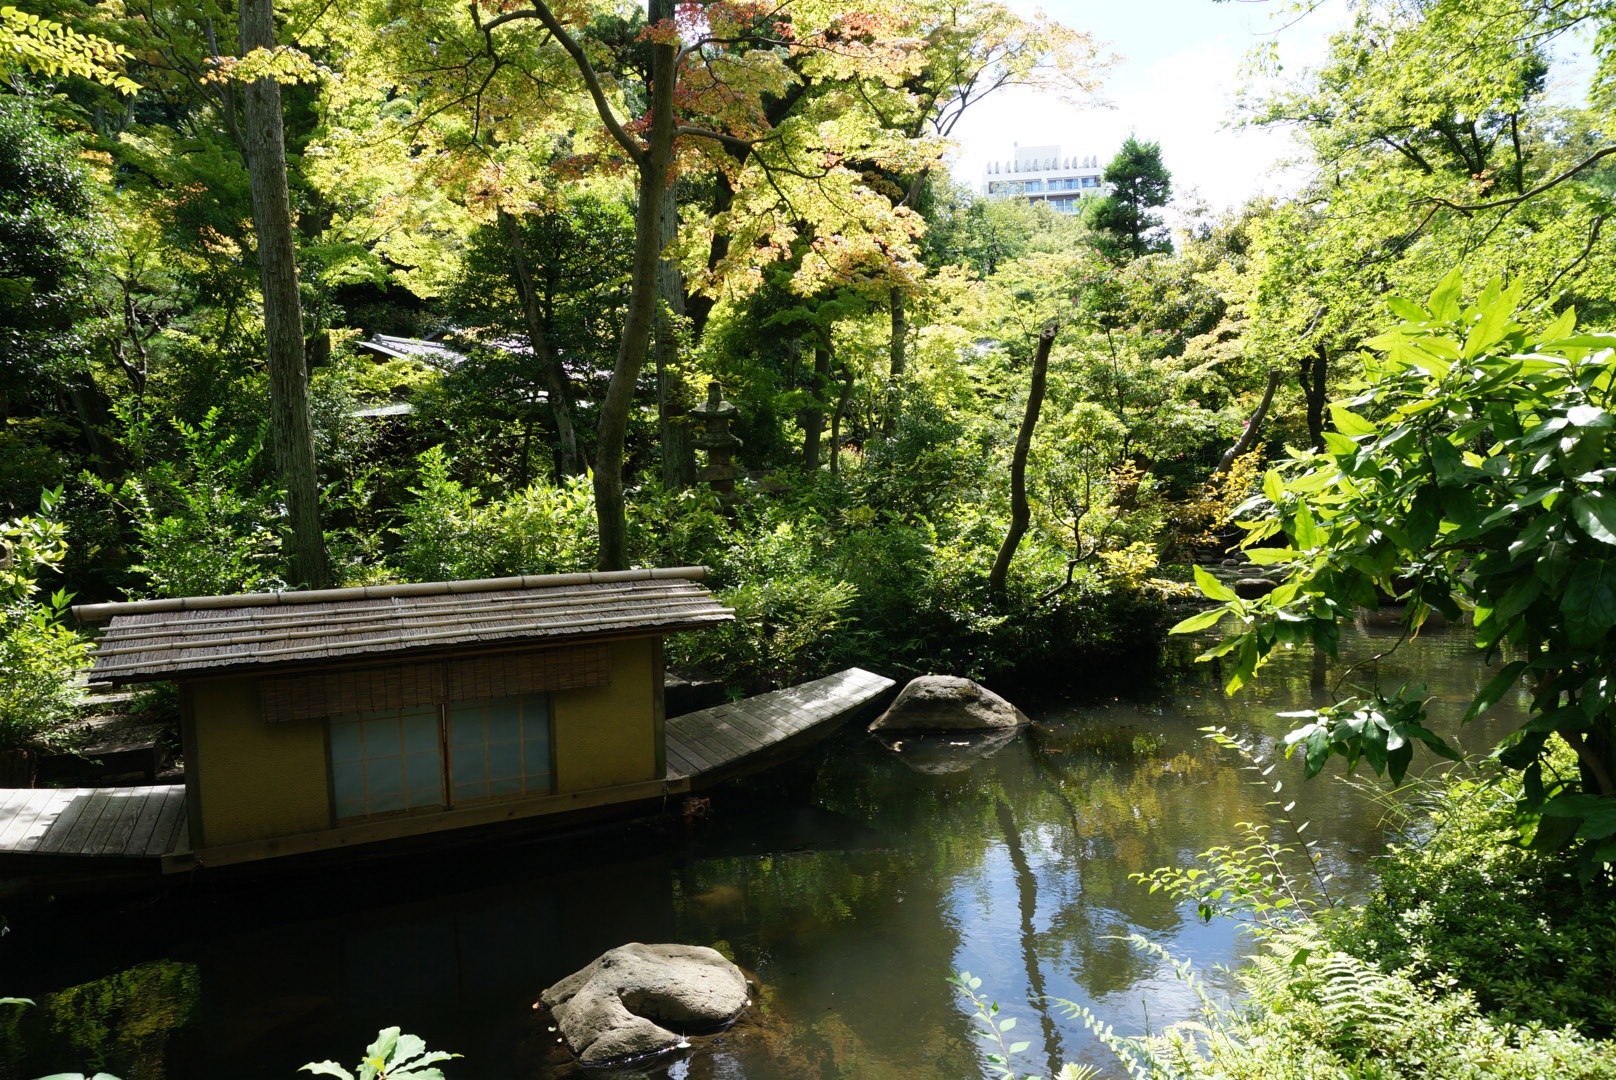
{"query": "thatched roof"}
pixel 215 635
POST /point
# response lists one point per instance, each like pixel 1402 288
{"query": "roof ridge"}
pixel 95 613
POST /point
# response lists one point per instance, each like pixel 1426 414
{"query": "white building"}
pixel 1044 174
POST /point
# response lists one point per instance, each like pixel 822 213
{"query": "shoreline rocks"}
pixel 948 703
pixel 623 1005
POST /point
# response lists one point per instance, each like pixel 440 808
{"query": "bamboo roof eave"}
pixel 259 619
pixel 195 636
pixel 411 649
pixel 96 613
pixel 493 633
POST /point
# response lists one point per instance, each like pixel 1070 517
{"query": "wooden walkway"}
pixel 111 822
pixel 713 745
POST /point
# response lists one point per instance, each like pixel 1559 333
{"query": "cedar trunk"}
pixel 264 146
pixel 813 417
pixel 673 410
pixel 898 353
pixel 1020 511
pixel 653 166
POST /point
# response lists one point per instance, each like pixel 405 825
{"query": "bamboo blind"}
pixel 312 695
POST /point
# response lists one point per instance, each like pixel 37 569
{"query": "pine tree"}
pixel 1139 184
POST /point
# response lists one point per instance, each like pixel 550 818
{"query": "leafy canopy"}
pixel 1472 473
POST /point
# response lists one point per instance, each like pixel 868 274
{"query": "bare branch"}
pixel 541 11
pixel 1470 208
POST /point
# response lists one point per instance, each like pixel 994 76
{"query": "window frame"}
pixel 444 717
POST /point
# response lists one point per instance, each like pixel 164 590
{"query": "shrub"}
pixel 1468 908
pixel 445 535
pixel 1316 1012
pixel 1475 958
pixel 40 658
pixel 208 525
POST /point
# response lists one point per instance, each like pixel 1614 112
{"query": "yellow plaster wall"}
pixel 606 735
pixel 254 779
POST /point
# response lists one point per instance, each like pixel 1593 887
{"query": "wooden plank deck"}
pixel 112 822
pixel 710 746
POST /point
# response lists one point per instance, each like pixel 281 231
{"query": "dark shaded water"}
pixel 852 884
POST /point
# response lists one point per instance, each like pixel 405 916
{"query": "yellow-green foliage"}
pixel 1316 1013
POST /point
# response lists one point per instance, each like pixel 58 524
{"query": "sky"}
pixel 1174 84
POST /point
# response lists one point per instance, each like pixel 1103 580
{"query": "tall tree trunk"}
pixel 673 405
pixel 813 417
pixel 898 353
pixel 556 383
pixel 898 349
pixel 263 143
pixel 653 169
pixel 1020 511
pixel 1313 374
pixel 836 420
pixel 1248 437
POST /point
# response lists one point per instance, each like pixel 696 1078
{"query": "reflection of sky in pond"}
pixel 852 884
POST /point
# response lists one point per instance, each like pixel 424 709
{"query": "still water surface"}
pixel 851 886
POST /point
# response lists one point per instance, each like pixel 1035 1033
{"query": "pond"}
pixel 851 884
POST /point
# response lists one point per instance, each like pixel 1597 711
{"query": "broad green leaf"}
pixel 1303 528
pixel 327 1068
pixel 1273 488
pixel 1447 461
pixel 1349 423
pixel 1495 315
pixel 1338 444
pixel 1408 310
pixel 1565 324
pixel 1589 416
pixel 407 1048
pixel 1517 598
pixel 1201 620
pixel 1598 813
pixel 386 1041
pixel 1494 691
pixel 1270 556
pixel 1444 301
pixel 1596 513
pixel 1589 601
pixel 1212 587
pixel 1581 341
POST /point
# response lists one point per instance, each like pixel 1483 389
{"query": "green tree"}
pixel 52 49
pixel 50 238
pixel 40 657
pixel 553 277
pixel 1125 216
pixel 1472 473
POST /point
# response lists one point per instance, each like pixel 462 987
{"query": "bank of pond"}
pixel 849 884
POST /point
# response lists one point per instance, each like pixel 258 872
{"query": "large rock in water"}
pixel 614 1009
pixel 948 703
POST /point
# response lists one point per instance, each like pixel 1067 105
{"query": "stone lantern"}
pixel 715 415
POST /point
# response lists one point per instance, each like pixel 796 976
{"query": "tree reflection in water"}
pixel 851 885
